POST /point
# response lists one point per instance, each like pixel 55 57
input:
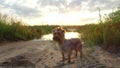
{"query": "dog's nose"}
pixel 53 38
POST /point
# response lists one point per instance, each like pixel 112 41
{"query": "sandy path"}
pixel 13 49
pixel 43 54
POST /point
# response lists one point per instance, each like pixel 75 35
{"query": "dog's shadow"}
pixel 62 64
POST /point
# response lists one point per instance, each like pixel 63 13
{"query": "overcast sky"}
pixel 61 12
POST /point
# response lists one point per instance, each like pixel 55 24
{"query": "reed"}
pixel 12 30
pixel 105 34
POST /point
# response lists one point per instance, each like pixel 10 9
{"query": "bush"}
pixel 106 33
pixel 15 30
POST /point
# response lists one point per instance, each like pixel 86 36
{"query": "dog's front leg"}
pixel 69 57
pixel 63 57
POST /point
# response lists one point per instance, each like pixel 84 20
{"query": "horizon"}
pixel 58 12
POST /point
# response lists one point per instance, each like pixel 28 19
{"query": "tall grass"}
pixel 106 33
pixel 11 30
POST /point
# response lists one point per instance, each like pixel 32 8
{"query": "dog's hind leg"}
pixel 81 54
pixel 76 52
pixel 80 51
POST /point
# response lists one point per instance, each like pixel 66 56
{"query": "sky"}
pixel 57 12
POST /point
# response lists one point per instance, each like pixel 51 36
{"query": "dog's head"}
pixel 58 34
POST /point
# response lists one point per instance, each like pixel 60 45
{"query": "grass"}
pixel 12 30
pixel 105 34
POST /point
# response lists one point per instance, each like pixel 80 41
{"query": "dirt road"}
pixel 45 54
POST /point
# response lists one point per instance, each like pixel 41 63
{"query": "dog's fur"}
pixel 66 45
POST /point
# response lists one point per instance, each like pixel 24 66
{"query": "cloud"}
pixel 20 8
pixel 35 7
pixel 30 9
pixel 102 4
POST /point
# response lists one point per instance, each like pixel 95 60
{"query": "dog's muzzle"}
pixel 55 38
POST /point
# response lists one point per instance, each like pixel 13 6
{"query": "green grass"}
pixel 12 30
pixel 106 33
pixel 15 30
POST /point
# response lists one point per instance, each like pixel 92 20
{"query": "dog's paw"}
pixel 62 60
pixel 70 62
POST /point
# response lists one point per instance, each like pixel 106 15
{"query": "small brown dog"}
pixel 67 45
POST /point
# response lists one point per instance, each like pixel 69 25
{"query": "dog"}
pixel 67 45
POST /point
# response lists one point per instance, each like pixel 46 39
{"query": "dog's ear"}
pixel 61 29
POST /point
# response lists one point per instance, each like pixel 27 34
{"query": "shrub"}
pixel 106 33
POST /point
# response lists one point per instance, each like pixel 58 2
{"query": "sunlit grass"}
pixel 106 33
pixel 15 30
